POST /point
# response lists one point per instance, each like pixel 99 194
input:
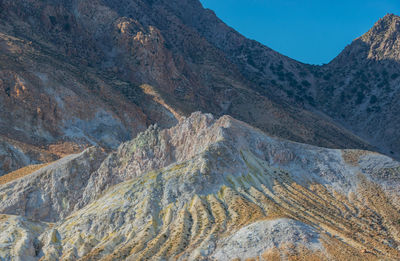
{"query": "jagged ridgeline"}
pixel 205 189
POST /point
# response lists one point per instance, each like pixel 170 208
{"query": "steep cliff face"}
pixel 213 190
pixel 99 72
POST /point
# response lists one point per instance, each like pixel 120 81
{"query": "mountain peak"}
pixel 383 38
pixel 381 42
pixel 386 23
pixel 389 17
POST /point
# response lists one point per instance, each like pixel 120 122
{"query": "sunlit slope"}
pixel 220 189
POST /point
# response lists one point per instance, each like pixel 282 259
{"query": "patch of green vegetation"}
pixel 306 83
pixel 303 74
pixel 374 109
pixel 67 27
pixel 298 99
pixel 327 77
pixel 53 20
pixel 385 74
pixel 310 100
pixel 251 62
pixel 342 97
pixel 373 99
pixel 360 97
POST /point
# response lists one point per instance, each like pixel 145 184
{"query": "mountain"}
pixel 104 157
pixel 358 89
pixel 363 90
pixel 206 189
pixel 81 73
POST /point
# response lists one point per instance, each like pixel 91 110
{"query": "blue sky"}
pixel 311 31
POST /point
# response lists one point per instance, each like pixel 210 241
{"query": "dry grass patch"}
pixel 352 157
pixel 20 173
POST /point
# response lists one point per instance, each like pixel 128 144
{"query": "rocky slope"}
pixel 87 73
pixel 49 109
pixel 360 88
pixel 207 189
pixel 78 78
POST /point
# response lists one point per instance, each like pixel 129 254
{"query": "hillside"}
pixel 206 189
pixel 151 130
pixel 87 73
pixel 358 89
pixel 361 88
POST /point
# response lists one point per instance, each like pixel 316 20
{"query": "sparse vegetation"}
pixel 327 76
pixel 53 20
pixel 306 83
pixel 394 76
pixel 303 74
pixel 373 99
pixel 67 27
pixel 360 98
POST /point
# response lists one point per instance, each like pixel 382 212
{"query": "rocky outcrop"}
pixel 19 238
pixel 50 193
pixel 151 150
pixel 221 189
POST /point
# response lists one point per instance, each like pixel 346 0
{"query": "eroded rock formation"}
pixel 215 190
